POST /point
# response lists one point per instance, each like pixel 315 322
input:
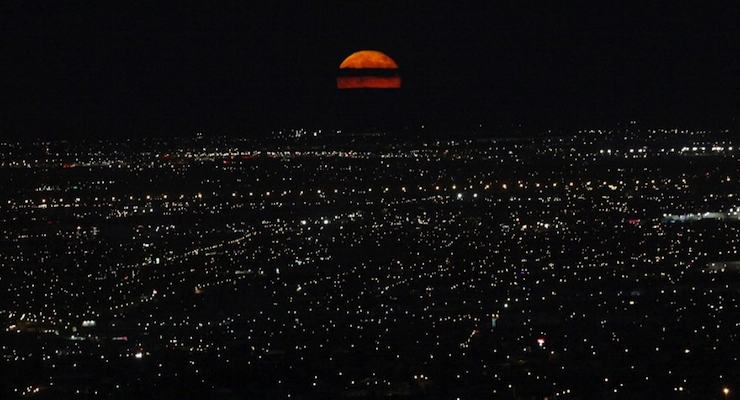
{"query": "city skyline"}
pixel 312 265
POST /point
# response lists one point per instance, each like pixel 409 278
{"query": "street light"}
pixel 726 391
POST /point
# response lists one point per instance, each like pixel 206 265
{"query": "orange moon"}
pixel 368 69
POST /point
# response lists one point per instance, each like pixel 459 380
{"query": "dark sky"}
pixel 117 70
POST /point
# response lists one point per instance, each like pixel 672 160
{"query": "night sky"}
pixel 131 70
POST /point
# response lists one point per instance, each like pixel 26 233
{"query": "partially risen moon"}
pixel 368 69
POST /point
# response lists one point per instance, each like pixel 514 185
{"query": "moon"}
pixel 368 69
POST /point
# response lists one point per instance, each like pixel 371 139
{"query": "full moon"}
pixel 368 69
